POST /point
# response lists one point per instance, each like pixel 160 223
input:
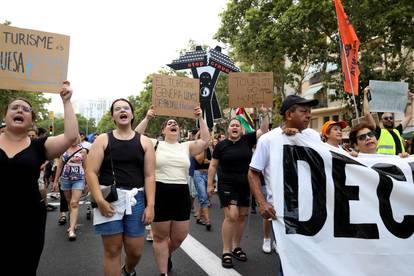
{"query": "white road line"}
pixel 206 259
pixel 58 203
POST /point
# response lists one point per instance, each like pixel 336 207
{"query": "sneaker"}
pixel 149 237
pixel 125 273
pixel 267 246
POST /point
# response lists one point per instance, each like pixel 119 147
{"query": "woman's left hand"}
pixel 66 92
pixel 148 215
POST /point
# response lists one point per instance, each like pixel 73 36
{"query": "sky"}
pixel 114 45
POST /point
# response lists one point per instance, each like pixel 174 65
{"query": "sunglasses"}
pixel 390 118
pixel 26 109
pixel 364 136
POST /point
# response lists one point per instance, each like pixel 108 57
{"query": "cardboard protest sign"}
pixel 175 96
pixel 388 96
pixel 251 89
pixel 32 60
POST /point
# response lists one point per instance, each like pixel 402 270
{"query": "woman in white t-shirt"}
pixel 172 197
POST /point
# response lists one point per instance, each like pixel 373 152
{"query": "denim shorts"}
pixel 67 185
pixel 131 225
pixel 200 182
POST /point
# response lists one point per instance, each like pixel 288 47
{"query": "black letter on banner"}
pixel 343 194
pixel 291 154
pixel 402 229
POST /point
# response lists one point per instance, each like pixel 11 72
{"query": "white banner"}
pixel 338 215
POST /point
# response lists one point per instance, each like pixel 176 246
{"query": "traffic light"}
pixel 51 129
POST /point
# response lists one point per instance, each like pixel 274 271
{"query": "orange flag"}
pixel 349 50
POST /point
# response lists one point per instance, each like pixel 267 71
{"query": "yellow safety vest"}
pixel 386 144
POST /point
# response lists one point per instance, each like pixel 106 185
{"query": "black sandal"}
pixel 239 254
pixel 226 260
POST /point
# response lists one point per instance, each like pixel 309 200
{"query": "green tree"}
pixel 287 37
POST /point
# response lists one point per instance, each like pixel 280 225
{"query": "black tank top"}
pixel 128 161
pixel 204 166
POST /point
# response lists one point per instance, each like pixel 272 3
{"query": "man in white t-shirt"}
pixel 296 112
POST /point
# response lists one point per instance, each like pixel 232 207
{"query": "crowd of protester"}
pixel 160 181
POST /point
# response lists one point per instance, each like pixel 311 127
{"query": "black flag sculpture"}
pixel 206 66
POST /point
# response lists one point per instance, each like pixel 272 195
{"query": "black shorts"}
pixel 234 190
pixel 172 202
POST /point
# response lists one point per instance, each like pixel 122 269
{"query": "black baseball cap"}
pixel 295 99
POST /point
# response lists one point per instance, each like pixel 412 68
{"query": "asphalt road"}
pixel 84 256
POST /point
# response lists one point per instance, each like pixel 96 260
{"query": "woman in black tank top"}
pixel 127 158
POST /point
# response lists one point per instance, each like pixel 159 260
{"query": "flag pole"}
pixel 350 82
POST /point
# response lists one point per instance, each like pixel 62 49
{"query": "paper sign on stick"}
pixel 251 89
pixel 388 96
pixel 175 96
pixel 32 60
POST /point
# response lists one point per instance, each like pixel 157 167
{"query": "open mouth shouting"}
pixel 18 119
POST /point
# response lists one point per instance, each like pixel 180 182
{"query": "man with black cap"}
pixel 296 112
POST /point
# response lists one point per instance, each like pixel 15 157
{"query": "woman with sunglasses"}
pixel 363 139
pixel 20 162
pixel 127 159
pixel 172 197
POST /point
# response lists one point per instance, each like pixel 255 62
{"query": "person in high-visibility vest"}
pixel 389 138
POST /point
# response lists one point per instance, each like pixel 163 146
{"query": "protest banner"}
pixel 251 89
pixel 175 96
pixel 336 214
pixel 31 60
pixel 388 96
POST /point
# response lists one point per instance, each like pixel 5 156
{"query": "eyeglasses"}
pixel 26 109
pixel 364 136
pixel 390 118
pixel 119 108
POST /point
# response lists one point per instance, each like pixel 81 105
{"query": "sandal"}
pixel 200 221
pixel 226 260
pixel 239 254
pixel 62 220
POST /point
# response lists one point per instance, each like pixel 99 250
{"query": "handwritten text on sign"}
pixel 175 96
pixel 251 89
pixel 32 60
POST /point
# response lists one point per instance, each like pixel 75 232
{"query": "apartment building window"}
pixel 314 123
pixel 325 119
pixel 335 118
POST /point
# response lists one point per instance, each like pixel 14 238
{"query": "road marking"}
pixel 206 259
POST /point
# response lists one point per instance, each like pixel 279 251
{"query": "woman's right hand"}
pixel 55 186
pixel 106 208
pixel 151 113
pixel 66 92
pixel 210 190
